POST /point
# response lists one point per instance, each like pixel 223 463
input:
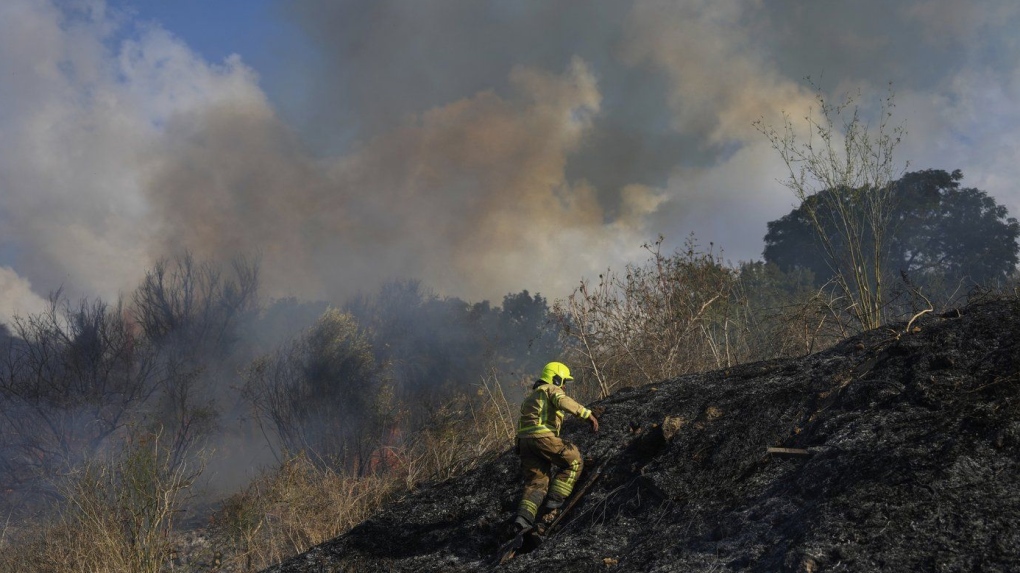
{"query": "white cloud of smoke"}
pixel 16 297
pixel 483 147
pixel 80 129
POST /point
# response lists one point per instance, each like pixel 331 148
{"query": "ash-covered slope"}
pixel 915 442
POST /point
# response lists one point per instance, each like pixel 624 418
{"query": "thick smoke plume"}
pixel 483 147
pixel 471 197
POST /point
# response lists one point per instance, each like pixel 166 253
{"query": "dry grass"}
pixel 294 507
pixel 305 502
pixel 115 515
pixel 463 434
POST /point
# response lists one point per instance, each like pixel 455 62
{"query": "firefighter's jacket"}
pixel 542 411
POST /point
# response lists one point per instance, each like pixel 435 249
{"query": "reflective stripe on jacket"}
pixel 542 411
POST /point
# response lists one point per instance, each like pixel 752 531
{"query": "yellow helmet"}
pixel 555 373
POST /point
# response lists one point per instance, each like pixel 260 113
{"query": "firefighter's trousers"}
pixel 538 455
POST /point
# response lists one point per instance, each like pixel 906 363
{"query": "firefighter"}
pixel 540 446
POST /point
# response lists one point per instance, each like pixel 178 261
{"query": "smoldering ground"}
pixel 910 447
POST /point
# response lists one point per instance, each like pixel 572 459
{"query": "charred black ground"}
pixel 915 446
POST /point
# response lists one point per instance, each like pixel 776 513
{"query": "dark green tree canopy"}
pixel 941 234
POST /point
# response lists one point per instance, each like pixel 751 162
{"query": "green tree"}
pixel 527 333
pixel 941 236
pixel 959 235
pixel 323 394
pixel 430 345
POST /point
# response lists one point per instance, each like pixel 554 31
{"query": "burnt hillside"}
pixel 915 451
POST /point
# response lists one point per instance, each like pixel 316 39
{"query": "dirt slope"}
pixel 915 442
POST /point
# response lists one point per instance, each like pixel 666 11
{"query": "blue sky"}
pixel 484 147
pixel 257 30
pixel 215 29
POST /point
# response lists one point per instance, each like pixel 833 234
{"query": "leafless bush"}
pixel 843 174
pixel 686 312
pixel 655 321
pixel 70 378
pixel 194 306
pixel 191 312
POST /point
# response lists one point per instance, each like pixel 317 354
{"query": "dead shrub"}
pixel 685 312
pixel 656 321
